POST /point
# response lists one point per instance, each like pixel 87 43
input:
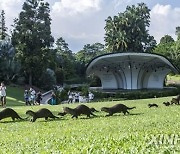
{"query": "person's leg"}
pixel 5 101
pixel 2 101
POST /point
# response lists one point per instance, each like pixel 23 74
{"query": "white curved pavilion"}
pixel 131 70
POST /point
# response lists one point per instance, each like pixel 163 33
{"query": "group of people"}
pixel 76 97
pixel 31 97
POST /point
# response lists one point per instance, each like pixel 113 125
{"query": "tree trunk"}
pixel 30 79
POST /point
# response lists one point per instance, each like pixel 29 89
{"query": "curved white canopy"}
pixel 131 70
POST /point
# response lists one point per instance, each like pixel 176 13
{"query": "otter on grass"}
pixel 41 113
pixel 152 105
pixel 175 101
pixel 8 112
pixel 166 103
pixel 93 109
pixel 80 109
pixel 116 109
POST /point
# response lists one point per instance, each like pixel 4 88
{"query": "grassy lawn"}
pixel 174 78
pixel 15 96
pixel 145 130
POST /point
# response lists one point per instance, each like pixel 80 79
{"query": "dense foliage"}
pixel 136 94
pixel 10 66
pixel 128 31
pixel 170 48
pixel 3 28
pixel 32 38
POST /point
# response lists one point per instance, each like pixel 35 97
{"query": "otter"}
pixel 93 109
pixel 152 105
pixel 41 113
pixel 116 109
pixel 80 109
pixel 8 112
pixel 166 103
pixel 175 101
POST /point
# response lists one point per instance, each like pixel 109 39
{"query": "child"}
pixel 26 97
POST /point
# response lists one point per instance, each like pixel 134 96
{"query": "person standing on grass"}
pixel 26 97
pixel 70 97
pixel 90 96
pixel 39 98
pixel 53 98
pixel 3 94
pixel 32 95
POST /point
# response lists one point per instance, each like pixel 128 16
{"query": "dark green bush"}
pixel 135 94
pixel 47 80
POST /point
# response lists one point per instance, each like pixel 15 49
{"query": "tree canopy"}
pixel 32 38
pixel 3 28
pixel 170 48
pixel 128 31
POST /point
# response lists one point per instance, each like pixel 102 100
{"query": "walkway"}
pixel 47 95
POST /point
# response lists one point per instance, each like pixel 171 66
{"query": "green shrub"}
pixel 135 94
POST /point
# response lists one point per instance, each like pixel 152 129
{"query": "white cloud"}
pixel 74 7
pixel 78 21
pixel 164 20
pixel 161 9
pixel 117 3
pixel 12 9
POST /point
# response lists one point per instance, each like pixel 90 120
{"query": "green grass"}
pixel 15 96
pixel 115 134
pixel 174 78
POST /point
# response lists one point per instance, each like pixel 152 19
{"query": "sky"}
pixel 82 22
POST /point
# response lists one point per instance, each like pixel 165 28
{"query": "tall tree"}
pixel 129 30
pixel 3 28
pixel 90 51
pixel 32 38
pixel 167 39
pixel 178 32
pixel 165 46
pixel 65 60
pixel 84 56
pixel 170 49
pixel 9 66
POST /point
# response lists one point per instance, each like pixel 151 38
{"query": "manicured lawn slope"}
pixel 15 96
pixel 115 134
pixel 174 78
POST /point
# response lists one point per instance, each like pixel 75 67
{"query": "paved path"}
pixel 46 97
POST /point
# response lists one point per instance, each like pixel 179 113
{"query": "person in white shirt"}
pixel 3 94
pixel 70 98
pixel 33 95
pixel 91 96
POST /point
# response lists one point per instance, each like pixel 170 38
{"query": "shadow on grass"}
pixel 131 114
pixel 117 115
pixel 104 116
pixel 50 120
pixel 16 121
